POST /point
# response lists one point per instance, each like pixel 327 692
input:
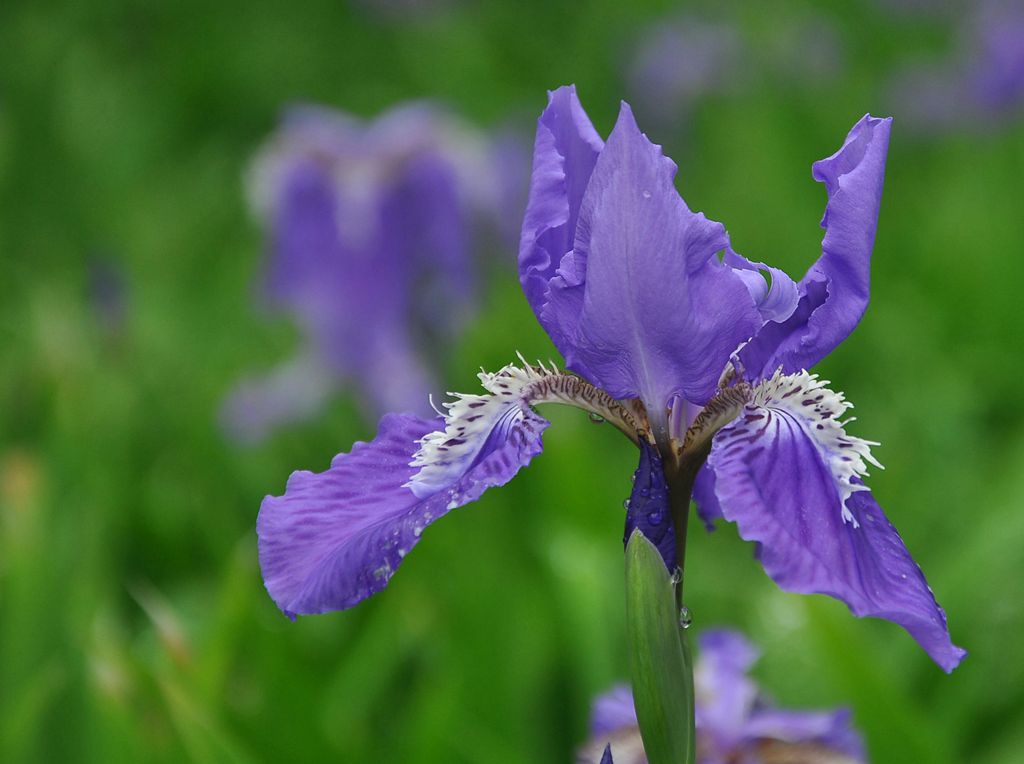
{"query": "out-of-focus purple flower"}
pixel 371 232
pixel 675 339
pixel 679 61
pixel 735 721
pixel 809 50
pixel 982 82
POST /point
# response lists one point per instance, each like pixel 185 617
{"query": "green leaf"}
pixel 659 657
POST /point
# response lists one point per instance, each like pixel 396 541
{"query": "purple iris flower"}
pixel 676 340
pixel 371 229
pixel 735 721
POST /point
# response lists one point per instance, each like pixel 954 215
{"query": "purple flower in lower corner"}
pixel 371 229
pixel 679 342
pixel 735 721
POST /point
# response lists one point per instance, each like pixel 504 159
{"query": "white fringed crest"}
pixel 470 420
pixel 806 398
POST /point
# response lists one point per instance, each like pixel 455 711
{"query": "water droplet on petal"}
pixel 654 518
pixel 685 617
pixel 647 194
pixel 595 417
pixel 625 504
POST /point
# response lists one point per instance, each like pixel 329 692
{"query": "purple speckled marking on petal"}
pixel 336 537
pixel 648 508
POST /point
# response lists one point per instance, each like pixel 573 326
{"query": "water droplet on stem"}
pixel 685 617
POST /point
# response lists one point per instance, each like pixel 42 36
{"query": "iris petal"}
pixel 565 151
pixel 834 291
pixel 336 537
pixel 660 314
pixel 790 478
pixel 704 497
pixel 775 301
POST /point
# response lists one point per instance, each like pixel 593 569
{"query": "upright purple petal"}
pixel 660 313
pixel 834 291
pixel 565 151
pixel 789 476
pixel 337 537
pixel 648 509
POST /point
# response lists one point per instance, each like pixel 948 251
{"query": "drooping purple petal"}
pixel 648 509
pixel 790 478
pixel 565 151
pixel 336 537
pixel 831 729
pixel 660 314
pixel 834 291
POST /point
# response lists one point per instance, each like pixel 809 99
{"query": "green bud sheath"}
pixel 659 657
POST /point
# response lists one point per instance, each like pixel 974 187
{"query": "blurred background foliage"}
pixel 133 622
